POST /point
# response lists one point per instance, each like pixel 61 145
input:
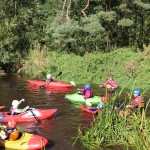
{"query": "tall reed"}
pixel 109 128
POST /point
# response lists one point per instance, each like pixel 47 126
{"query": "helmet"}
pixel 15 103
pixel 49 75
pixel 137 91
pixel 87 86
pixel 12 124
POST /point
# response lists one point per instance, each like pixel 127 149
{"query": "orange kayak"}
pixel 92 110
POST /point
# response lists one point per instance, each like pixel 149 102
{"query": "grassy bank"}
pixel 126 66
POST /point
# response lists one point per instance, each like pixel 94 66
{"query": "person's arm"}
pixel 104 85
pixel 81 90
pixel 22 100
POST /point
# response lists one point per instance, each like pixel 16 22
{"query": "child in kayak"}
pixel 15 110
pixel 138 101
pixel 110 84
pixel 86 91
pixel 102 103
pixel 49 78
pixel 9 132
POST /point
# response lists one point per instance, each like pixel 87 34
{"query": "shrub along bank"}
pixel 126 65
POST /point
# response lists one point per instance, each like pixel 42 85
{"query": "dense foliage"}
pixel 73 26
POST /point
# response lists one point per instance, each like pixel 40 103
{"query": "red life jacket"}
pixel 138 102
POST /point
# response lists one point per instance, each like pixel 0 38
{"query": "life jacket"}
pixel 12 133
pixel 138 102
pixel 48 80
pixel 88 93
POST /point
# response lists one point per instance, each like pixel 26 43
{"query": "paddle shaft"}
pixel 16 89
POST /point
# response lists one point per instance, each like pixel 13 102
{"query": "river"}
pixel 59 130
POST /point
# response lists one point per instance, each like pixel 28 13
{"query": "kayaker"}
pixel 110 84
pixel 138 101
pixel 49 78
pixel 15 110
pixel 102 103
pixel 86 91
pixel 10 131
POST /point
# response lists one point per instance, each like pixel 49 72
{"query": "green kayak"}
pixel 78 97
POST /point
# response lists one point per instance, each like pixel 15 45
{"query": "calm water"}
pixel 60 130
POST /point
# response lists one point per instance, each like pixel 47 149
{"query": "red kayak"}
pixel 92 110
pixel 30 115
pixel 54 84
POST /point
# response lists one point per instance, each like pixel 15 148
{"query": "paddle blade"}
pixel 88 103
pixel 58 74
pixel 73 83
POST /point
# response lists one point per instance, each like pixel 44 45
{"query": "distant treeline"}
pixel 72 26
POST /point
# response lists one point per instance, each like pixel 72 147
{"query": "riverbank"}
pixel 127 66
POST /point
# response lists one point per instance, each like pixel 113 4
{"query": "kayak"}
pixel 25 141
pixel 52 90
pixel 78 97
pixel 92 110
pixel 54 84
pixel 30 115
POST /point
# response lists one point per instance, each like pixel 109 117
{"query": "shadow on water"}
pixel 60 130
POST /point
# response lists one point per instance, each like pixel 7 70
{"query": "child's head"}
pixel 49 76
pixel 12 124
pixel 15 103
pixel 110 77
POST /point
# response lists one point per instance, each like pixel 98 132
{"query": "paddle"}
pixel 14 86
pixel 43 86
pixel 87 102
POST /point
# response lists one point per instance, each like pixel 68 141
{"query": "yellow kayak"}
pixel 26 141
